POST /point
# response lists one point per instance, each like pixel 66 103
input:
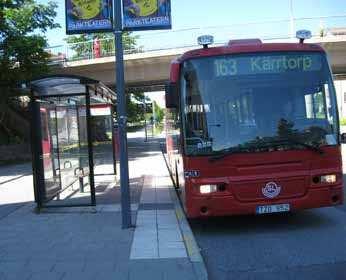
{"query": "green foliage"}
pixel 343 121
pixel 83 49
pixel 22 55
pixel 135 112
pixel 159 112
pixel 322 32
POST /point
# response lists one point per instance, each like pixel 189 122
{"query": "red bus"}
pixel 252 128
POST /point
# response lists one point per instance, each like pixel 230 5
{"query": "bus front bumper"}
pixel 207 206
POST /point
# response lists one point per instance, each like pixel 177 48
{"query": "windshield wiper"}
pixel 315 148
pixel 267 144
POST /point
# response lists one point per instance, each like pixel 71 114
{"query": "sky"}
pixel 203 14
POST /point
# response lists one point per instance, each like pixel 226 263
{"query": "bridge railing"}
pixel 85 50
pixel 271 30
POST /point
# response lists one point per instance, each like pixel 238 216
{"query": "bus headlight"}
pixel 329 179
pixel 204 189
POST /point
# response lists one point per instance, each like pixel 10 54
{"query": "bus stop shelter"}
pixel 73 139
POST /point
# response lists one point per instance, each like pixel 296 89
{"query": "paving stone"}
pixel 110 275
pixel 145 271
pixel 16 275
pixel 47 276
pixel 169 235
pixel 122 270
pixel 174 274
pixel 144 253
pixel 40 266
pixel 101 265
pixel 156 206
pixel 172 253
pixel 79 276
pixel 69 266
pixel 84 245
pixel 12 266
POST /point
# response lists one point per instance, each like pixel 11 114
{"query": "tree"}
pixel 83 44
pixel 135 110
pixel 22 54
pixel 159 112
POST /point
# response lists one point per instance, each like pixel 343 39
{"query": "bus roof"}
pixel 249 46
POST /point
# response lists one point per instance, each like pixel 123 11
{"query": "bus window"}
pixel 315 105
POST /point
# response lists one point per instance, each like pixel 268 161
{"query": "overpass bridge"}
pixel 149 70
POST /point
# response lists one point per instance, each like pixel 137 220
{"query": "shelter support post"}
pixel 36 150
pixel 90 148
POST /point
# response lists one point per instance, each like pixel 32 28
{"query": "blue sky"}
pixel 197 13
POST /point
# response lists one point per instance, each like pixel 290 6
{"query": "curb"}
pixel 189 239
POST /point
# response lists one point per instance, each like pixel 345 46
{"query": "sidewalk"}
pixel 88 243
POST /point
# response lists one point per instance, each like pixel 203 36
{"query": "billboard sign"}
pixel 88 16
pixel 146 14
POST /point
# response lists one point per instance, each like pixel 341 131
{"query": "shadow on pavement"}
pixel 7 209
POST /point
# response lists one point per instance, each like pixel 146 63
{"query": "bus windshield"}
pixel 258 102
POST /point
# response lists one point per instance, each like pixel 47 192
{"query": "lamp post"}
pixel 122 118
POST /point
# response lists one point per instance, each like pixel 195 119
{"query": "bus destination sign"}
pixel 266 64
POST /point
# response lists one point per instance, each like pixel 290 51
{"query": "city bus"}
pixel 252 128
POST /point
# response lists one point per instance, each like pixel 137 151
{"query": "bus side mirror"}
pixel 343 138
pixel 171 95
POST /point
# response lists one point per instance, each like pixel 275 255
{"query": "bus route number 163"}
pixel 225 67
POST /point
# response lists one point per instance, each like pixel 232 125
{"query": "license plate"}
pixel 264 209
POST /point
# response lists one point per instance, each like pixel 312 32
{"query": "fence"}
pixel 161 40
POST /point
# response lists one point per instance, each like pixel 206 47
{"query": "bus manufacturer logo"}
pixel 271 190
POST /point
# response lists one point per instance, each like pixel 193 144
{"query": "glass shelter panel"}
pixel 65 151
pixel 50 155
pixel 102 137
pixel 68 143
pixel 71 117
